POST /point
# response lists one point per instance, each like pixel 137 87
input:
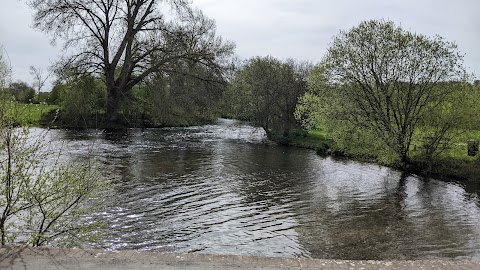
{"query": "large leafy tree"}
pixel 266 91
pixel 125 41
pixel 388 80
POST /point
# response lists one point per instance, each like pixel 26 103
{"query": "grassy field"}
pixel 455 162
pixel 458 149
pixel 31 114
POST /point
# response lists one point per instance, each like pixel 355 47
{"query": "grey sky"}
pixel 300 29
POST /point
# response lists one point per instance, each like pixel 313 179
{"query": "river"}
pixel 224 189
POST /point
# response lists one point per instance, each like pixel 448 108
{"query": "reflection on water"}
pixel 223 189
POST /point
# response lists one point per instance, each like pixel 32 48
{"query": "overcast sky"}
pixel 301 29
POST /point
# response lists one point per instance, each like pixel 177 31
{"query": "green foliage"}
pixel 309 111
pixel 55 94
pixel 33 114
pixel 384 83
pixel 25 114
pixel 266 92
pixel 313 108
pixel 41 98
pixel 319 109
pixel 43 196
pixel 189 94
pixel 81 99
pixel 442 124
pixel 314 139
pixel 22 92
pixel 56 197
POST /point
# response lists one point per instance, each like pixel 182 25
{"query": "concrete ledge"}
pixel 26 258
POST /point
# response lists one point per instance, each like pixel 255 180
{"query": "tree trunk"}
pixel 404 159
pixel 113 102
pixel 2 232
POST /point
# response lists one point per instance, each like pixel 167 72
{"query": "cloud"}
pixel 25 46
pixel 304 28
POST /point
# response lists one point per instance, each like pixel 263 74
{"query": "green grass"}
pixel 457 149
pixel 314 139
pixel 452 163
pixel 31 114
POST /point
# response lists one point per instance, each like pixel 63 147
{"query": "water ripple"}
pixel 221 189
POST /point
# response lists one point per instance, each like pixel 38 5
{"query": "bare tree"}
pixel 39 79
pixel 127 40
pixel 5 69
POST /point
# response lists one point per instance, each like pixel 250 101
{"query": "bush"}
pixel 43 196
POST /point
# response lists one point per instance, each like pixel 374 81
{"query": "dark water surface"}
pixel 221 189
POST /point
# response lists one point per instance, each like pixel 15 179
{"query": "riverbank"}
pixel 453 164
pixel 26 258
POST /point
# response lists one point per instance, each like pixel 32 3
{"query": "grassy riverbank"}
pixel 453 163
pixel 316 140
pixel 52 116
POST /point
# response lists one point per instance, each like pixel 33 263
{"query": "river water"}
pixel 224 189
